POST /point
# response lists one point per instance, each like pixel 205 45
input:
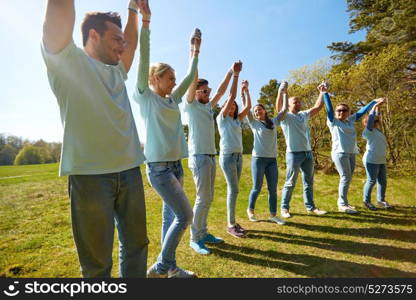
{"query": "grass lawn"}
pixel 36 237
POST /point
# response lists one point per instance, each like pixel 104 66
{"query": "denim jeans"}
pixel 345 165
pixel 167 179
pixel 231 165
pixel 261 166
pixel 98 202
pixel 203 169
pixel 375 173
pixel 296 161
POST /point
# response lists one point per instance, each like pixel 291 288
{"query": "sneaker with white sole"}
pixel 347 209
pixel 317 211
pixel 211 239
pixel 384 204
pixel 369 205
pixel 285 213
pixel 153 273
pixel 277 220
pixel 181 273
pixel 199 247
pixel 251 216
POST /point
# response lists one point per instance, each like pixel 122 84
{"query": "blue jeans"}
pixel 231 165
pixel 345 165
pixel 203 169
pixel 167 179
pixel 261 166
pixel 296 161
pixel 98 202
pixel 375 173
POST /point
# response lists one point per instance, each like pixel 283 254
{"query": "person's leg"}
pixel 201 170
pixel 292 171
pixel 92 212
pixel 258 167
pixel 371 171
pixel 130 215
pixel 307 168
pixel 381 183
pixel 167 180
pixel 228 164
pixel 343 166
pixel 271 173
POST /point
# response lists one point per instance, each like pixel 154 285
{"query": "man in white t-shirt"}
pixel 299 156
pixel 101 150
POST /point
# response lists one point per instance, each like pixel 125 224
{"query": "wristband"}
pixel 133 6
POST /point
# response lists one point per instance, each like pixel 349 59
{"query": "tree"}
pixel 387 22
pixel 7 155
pixel 30 155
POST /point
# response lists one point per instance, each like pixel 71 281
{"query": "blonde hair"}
pixel 157 70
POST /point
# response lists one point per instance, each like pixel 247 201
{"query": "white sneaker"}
pixel 384 204
pixel 277 220
pixel 317 211
pixel 152 273
pixel 285 213
pixel 347 209
pixel 181 273
pixel 251 216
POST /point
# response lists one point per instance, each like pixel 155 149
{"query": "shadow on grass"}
pixel 379 233
pixel 304 264
pixel 352 247
pixel 369 217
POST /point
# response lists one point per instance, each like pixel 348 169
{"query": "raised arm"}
pixel 59 25
pixel 180 90
pixel 131 33
pixel 328 104
pixel 190 95
pixel 279 99
pixel 285 107
pixel 373 113
pixel 222 88
pixel 237 66
pixel 363 110
pixel 246 101
pixel 143 76
pixel 322 88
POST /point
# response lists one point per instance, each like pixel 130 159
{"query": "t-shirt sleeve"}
pixel 122 70
pixel 329 123
pixel 54 61
pixel 353 118
pixel 276 121
pixel 366 133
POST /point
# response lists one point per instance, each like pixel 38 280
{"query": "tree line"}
pixel 17 151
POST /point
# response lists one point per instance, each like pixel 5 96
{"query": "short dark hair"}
pixel 201 82
pixel 96 20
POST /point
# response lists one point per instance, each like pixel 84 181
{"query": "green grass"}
pixel 36 238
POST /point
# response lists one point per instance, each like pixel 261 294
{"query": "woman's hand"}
pixel 144 9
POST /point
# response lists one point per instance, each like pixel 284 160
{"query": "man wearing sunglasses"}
pixel 202 151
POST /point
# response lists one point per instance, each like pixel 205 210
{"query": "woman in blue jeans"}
pixel 263 161
pixel 165 146
pixel 344 145
pixel 231 148
pixel 374 159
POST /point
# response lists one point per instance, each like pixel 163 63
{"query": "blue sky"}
pixel 271 37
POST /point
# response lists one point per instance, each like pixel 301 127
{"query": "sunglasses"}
pixel 205 91
pixel 342 110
